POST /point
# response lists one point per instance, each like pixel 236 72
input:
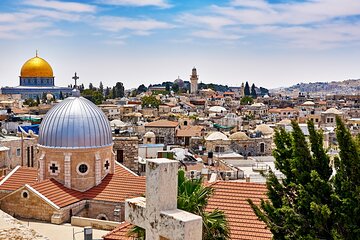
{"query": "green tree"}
pixel 43 98
pixel 193 197
pixel 150 101
pixel 175 88
pixel 253 91
pixel 246 100
pixel 93 95
pixel 347 184
pixel 37 100
pixel 101 88
pixel 247 89
pixel 299 206
pixel 141 89
pixel 118 90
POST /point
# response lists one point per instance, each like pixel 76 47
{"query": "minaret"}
pixel 194 81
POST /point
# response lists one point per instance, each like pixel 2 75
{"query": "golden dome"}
pixel 36 67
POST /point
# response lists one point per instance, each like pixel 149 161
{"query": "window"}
pixel 18 152
pixel 262 147
pixel 83 168
pixel 24 194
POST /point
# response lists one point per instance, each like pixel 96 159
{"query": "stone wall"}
pixel 67 162
pixel 32 206
pixel 167 134
pixel 16 156
pixel 211 146
pixel 252 147
pixel 130 147
pixel 103 210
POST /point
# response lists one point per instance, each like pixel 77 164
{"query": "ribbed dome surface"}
pixel 75 123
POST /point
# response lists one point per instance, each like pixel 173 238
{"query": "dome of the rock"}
pixel 36 67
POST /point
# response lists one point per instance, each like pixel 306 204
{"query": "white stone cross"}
pixel 158 213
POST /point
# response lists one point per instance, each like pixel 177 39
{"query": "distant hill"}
pixel 336 87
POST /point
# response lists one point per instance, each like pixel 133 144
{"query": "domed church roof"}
pixel 239 136
pixel 36 67
pixel 75 123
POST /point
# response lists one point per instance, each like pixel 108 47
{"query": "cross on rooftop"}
pixel 75 79
pixel 106 165
pixel 53 168
pixel 158 213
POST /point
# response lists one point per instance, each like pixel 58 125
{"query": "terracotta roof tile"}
pixel 57 193
pixel 162 123
pixel 119 233
pixel 231 197
pixel 190 131
pixel 18 177
pixel 118 187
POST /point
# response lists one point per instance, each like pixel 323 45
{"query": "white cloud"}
pixel 54 15
pixel 116 24
pixel 313 23
pixel 213 22
pixel 216 35
pixel 61 6
pixel 137 3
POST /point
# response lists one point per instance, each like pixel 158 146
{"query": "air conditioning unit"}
pixel 194 174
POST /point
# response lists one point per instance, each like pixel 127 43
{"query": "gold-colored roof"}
pixel 36 67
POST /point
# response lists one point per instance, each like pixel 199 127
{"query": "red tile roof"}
pixel 231 197
pixel 57 193
pixel 18 177
pixel 189 131
pixel 118 187
pixel 119 233
pixel 162 123
pixel 115 187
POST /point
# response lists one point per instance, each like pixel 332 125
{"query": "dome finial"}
pixel 36 53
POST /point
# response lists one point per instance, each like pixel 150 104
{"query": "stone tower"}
pixel 194 78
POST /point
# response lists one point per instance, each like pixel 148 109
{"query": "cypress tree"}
pixel 247 89
pixel 298 207
pixel 347 184
pixel 253 91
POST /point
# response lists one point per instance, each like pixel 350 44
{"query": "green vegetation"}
pixel 246 100
pixel 247 89
pixel 150 102
pixel 93 95
pixel 308 203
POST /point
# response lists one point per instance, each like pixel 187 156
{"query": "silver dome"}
pixel 75 123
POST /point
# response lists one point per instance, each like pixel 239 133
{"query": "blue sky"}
pixel 269 43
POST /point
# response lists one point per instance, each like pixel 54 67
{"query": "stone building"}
pixel 328 118
pixel 126 151
pixel 254 146
pixel 21 151
pixel 194 78
pixel 77 174
pixel 164 130
pixel 217 142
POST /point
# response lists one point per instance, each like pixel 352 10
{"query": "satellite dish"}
pixel 4 131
